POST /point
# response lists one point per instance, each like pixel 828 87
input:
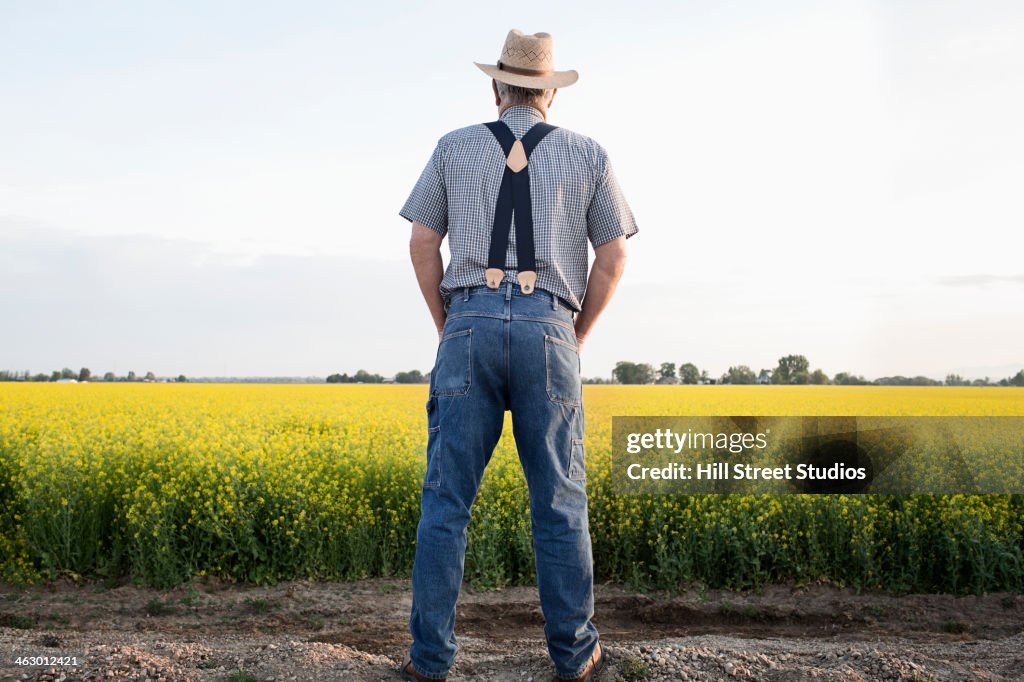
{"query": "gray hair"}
pixel 517 94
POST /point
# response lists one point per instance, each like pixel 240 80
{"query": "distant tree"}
pixel 150 376
pixel 40 377
pixel 740 374
pixel 1017 379
pixel 907 381
pixel 792 369
pixel 847 379
pixel 956 380
pixel 633 373
pixel 109 376
pixel 362 376
pixel 981 382
pixel 131 375
pixel 412 377
pixel 55 375
pixel 181 379
pixel 334 379
pixel 818 377
pixel 764 376
pixel 667 373
pixel 688 373
pixel 68 373
pixel 704 378
pixel 84 374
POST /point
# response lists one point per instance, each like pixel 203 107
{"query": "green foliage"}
pixel 241 676
pixel 792 369
pixel 633 669
pixel 159 483
pixel 688 373
pixel 740 374
pixel 633 373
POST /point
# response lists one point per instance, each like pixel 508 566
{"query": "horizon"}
pixel 314 378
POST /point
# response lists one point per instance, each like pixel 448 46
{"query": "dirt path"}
pixel 358 631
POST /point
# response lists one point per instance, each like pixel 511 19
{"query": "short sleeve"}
pixel 428 201
pixel 609 216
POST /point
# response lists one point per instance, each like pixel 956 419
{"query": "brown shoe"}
pixel 409 673
pixel 593 669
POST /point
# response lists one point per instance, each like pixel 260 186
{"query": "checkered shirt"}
pixel 575 195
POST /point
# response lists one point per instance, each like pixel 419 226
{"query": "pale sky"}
pixel 212 188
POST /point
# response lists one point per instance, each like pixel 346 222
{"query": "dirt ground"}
pixel 211 630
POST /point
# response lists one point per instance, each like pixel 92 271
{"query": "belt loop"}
pixel 465 293
pixel 554 302
pixel 508 292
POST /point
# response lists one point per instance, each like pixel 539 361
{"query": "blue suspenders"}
pixel 514 195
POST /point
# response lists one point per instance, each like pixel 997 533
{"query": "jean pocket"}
pixel 562 365
pixel 452 373
pixel 577 470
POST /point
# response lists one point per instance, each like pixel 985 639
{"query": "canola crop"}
pixel 259 483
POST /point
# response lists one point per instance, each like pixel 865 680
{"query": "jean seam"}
pixel 562 343
pixel 574 461
pixel 436 432
pixel 546 320
pixel 456 316
pixel 429 675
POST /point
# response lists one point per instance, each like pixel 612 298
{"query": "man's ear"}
pixel 553 92
pixel 497 97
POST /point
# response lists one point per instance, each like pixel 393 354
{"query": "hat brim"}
pixel 558 79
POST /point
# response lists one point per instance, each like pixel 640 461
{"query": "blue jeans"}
pixel 503 350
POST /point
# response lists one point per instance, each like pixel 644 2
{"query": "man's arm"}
pixel 425 252
pixel 609 262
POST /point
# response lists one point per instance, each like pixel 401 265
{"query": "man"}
pixel 519 200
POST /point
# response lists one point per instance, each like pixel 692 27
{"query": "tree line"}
pixel 791 370
pixel 363 377
pixel 84 374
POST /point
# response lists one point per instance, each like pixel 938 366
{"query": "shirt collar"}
pixel 521 117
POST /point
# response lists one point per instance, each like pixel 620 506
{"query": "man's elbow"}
pixel 610 257
pixel 423 242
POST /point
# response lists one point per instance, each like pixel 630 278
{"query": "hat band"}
pixel 523 72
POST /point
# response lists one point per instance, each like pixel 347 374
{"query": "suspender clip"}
pixel 527 280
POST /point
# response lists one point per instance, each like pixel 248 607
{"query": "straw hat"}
pixel 528 61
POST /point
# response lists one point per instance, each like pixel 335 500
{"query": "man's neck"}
pixel 541 109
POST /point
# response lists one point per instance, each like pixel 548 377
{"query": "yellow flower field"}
pixel 267 482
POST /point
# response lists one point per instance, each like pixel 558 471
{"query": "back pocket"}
pixel 563 371
pixel 452 373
